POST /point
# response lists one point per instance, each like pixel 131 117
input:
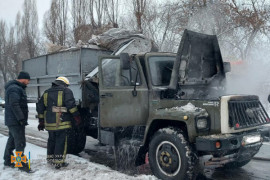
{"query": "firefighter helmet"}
pixel 64 79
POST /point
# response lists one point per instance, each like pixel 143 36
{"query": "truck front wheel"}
pixel 170 155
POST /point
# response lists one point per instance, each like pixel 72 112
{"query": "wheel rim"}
pixel 168 158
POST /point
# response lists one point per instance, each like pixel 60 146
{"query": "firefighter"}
pixel 56 111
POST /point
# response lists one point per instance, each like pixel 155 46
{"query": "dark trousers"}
pixel 57 146
pixel 16 140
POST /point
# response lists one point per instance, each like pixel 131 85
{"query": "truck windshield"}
pixel 161 69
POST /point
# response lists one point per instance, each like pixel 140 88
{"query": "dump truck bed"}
pixel 74 64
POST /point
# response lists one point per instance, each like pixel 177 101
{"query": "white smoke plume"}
pixel 251 77
pixel 248 77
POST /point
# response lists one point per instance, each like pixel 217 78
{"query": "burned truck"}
pixel 175 105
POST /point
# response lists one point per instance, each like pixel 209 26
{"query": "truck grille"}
pixel 246 113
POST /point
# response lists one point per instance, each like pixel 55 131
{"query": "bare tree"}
pixel 30 30
pixel 79 12
pixel 96 13
pixel 253 19
pixel 99 5
pixel 3 43
pixel 164 23
pixel 91 13
pixel 7 49
pixel 49 25
pixel 93 17
pixel 55 22
pixel 81 21
pixel 112 11
pixel 139 7
pixel 20 49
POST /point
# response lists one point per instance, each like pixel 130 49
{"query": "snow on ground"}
pixel 78 168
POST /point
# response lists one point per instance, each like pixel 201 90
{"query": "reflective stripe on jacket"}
pixel 60 96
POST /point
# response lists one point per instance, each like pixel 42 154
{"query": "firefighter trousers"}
pixel 57 146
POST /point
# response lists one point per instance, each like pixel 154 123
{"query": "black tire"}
pixel 170 155
pixel 77 135
pixel 76 140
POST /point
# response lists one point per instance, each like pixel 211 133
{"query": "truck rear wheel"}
pixel 170 155
pixel 76 140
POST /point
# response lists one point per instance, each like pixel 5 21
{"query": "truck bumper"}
pixel 233 147
pixel 224 143
pixel 265 132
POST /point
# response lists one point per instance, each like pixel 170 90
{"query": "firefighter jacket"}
pixel 59 95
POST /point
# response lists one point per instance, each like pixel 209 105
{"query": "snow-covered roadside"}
pixel 78 168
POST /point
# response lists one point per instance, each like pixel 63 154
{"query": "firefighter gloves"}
pixel 77 120
pixel 41 126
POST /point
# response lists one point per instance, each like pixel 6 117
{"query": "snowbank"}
pixel 78 168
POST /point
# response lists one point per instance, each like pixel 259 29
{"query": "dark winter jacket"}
pixel 60 96
pixel 16 109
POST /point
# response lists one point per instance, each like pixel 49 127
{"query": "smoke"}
pixel 247 77
pixel 204 20
pixel 251 77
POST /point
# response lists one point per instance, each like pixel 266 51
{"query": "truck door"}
pixel 123 93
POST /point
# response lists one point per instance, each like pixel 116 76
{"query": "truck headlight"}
pixel 202 123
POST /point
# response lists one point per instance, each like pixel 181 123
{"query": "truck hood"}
pixel 198 70
pixel 198 61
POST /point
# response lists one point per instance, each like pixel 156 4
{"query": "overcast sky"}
pixel 9 9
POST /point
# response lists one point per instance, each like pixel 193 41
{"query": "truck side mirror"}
pixel 125 63
pixel 227 67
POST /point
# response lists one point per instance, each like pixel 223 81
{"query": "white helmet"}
pixel 64 79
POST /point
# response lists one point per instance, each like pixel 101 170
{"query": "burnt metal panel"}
pixel 198 60
pixel 198 69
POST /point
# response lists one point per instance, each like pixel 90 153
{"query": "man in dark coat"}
pixel 56 111
pixel 16 116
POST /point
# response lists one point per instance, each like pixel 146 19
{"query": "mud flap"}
pixel 140 159
pixel 107 137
